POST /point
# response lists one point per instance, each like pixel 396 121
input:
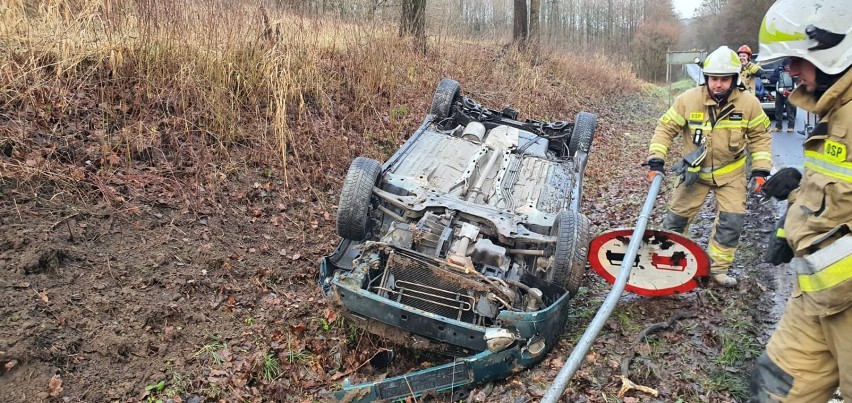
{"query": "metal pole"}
pixel 582 347
pixel 669 81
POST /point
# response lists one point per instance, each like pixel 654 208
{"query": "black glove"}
pixel 655 166
pixel 782 183
pixel 778 251
pixel 758 180
pixel 688 174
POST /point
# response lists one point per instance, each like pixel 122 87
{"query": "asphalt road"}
pixel 787 147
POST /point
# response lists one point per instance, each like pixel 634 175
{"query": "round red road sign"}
pixel 666 263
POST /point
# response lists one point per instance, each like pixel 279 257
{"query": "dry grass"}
pixel 94 91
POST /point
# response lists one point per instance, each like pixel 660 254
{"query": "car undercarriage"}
pixel 467 241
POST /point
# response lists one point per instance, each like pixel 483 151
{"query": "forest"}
pixel 632 31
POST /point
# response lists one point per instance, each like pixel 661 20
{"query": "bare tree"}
pixel 535 28
pixel 710 7
pixel 638 31
pixel 657 33
pixel 728 22
pixel 413 22
pixel 520 27
pixel 741 20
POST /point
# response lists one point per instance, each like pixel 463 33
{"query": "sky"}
pixel 686 7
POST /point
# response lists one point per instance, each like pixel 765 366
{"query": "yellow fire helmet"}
pixel 722 62
pixel 819 31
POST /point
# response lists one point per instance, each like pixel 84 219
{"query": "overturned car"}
pixel 468 240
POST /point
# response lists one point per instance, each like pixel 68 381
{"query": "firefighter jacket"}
pixel 748 76
pixel 729 132
pixel 820 218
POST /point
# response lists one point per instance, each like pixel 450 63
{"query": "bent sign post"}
pixel 585 343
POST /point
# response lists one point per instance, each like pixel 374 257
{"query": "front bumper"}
pixel 535 333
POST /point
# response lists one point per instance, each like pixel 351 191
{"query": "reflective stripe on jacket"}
pixel 740 126
pixel 826 267
pixel 821 210
pixel 748 76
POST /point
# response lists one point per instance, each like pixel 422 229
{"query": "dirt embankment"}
pixel 103 303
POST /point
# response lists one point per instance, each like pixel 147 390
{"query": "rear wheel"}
pixel 572 247
pixel 353 210
pixel 445 95
pixel 583 133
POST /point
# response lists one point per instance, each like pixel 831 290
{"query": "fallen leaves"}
pixel 42 296
pixel 286 317
pixel 330 315
pixel 112 159
pixel 285 253
pixel 54 386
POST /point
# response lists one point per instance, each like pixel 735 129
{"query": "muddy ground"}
pixel 150 300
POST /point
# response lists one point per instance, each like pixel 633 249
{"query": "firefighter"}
pixel 810 353
pixel 721 124
pixel 750 71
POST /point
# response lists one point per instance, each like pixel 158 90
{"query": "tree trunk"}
pixel 413 22
pixel 520 27
pixel 535 28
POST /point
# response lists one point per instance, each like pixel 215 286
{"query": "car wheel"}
pixel 445 95
pixel 583 133
pixel 353 211
pixel 572 247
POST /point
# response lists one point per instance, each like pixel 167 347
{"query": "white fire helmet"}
pixel 819 31
pixel 722 62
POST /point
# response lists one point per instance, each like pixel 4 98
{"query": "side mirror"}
pixel 697 61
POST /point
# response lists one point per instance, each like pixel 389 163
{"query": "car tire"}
pixel 572 248
pixel 583 133
pixel 445 95
pixel 353 210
